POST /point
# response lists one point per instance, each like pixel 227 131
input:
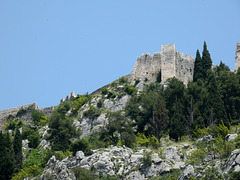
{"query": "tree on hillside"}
pixel 174 91
pixel 206 61
pixel 216 110
pixel 17 146
pixel 61 128
pixel 198 67
pixel 6 157
pixel 160 120
pixel 177 122
pixel 196 95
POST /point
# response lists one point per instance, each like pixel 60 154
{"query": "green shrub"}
pixel 173 175
pixel 104 91
pixel 92 112
pixel 81 145
pixel 114 84
pixel 111 95
pixel 213 174
pixel 223 148
pixel 63 108
pixel 235 176
pixel 130 90
pixel 123 80
pixel 197 132
pixel 29 172
pixel 100 103
pixel 220 130
pixel 33 158
pixel 37 116
pixel 151 141
pixel 128 138
pixel 147 158
pixel 197 156
pixel 32 135
pixel 83 174
pixel 78 102
pixel 43 121
pixel 137 81
pixel 21 112
pixel 34 139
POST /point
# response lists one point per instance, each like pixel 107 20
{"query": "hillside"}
pixel 156 123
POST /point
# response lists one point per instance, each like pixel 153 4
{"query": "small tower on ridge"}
pixel 237 57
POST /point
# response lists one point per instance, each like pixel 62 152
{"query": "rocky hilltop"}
pixel 138 127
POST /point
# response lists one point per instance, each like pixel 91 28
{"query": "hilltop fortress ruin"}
pixel 169 62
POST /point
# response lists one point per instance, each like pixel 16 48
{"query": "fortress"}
pixel 169 62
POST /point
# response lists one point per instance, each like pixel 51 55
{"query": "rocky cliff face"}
pixel 132 164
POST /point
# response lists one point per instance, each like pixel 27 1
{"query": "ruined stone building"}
pixel 237 57
pixel 170 62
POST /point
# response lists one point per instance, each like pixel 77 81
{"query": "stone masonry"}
pixel 25 115
pixel 237 57
pixel 170 62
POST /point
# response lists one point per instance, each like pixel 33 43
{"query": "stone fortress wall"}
pixel 26 115
pixel 237 57
pixel 170 62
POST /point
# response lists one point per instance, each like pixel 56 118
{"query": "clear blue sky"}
pixel 49 48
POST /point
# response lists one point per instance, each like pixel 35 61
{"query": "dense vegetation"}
pixel 210 104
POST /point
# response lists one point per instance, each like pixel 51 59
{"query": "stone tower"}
pixel 237 57
pixel 170 62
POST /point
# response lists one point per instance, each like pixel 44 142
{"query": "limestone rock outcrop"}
pixel 113 161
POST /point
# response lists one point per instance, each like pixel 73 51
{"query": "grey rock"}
pixel 179 165
pixel 237 168
pixel 230 137
pixel 136 159
pixel 135 175
pixel 52 161
pixel 156 159
pixel 188 171
pixel 117 104
pixel 232 161
pixel 44 145
pixel 172 153
pixel 79 155
pixel 237 160
pixel 207 138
